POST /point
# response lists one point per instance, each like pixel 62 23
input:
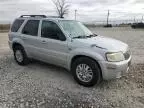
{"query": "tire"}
pixel 24 60
pixel 95 74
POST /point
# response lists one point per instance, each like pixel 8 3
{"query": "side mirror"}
pixel 61 36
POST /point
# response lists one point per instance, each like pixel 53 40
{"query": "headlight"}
pixel 115 57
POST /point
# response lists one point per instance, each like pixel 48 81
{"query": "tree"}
pixel 62 7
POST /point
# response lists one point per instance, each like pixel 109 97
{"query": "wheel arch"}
pixel 16 44
pixel 78 56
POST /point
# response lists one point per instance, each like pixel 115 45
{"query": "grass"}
pixel 4 27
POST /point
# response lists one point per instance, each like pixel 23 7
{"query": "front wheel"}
pixel 86 72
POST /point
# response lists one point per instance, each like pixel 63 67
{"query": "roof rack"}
pixel 43 16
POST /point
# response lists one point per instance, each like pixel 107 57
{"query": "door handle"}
pixel 43 41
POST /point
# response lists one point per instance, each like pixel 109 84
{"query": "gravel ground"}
pixel 41 85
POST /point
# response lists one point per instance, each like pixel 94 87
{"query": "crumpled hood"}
pixel 105 43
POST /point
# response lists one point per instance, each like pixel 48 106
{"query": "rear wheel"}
pixel 86 72
pixel 20 55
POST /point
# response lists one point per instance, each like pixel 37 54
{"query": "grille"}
pixel 127 55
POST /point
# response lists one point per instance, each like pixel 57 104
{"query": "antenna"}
pixel 108 17
pixel 134 19
pixel 75 14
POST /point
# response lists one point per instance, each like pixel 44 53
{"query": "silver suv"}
pixel 69 44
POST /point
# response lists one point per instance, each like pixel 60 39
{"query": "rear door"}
pixel 53 43
pixel 29 35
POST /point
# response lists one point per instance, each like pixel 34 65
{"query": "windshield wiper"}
pixel 93 35
pixel 88 36
pixel 79 37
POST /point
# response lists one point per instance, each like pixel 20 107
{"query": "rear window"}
pixel 31 28
pixel 16 25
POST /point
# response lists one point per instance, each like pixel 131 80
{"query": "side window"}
pixel 16 25
pixel 31 28
pixel 51 30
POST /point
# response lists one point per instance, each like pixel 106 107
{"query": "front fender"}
pixel 84 52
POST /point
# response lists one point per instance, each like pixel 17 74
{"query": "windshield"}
pixel 75 29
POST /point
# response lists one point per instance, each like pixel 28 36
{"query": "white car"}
pixel 69 44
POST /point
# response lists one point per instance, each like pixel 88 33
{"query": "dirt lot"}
pixel 40 85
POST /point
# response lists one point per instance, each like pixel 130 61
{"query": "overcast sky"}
pixel 88 10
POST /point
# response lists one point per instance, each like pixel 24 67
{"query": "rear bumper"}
pixel 113 70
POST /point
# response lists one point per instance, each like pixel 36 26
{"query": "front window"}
pixel 75 29
pixel 51 30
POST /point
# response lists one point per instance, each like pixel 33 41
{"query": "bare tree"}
pixel 62 7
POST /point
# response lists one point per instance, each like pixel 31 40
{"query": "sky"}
pixel 87 10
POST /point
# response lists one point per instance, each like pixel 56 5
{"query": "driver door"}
pixel 54 48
